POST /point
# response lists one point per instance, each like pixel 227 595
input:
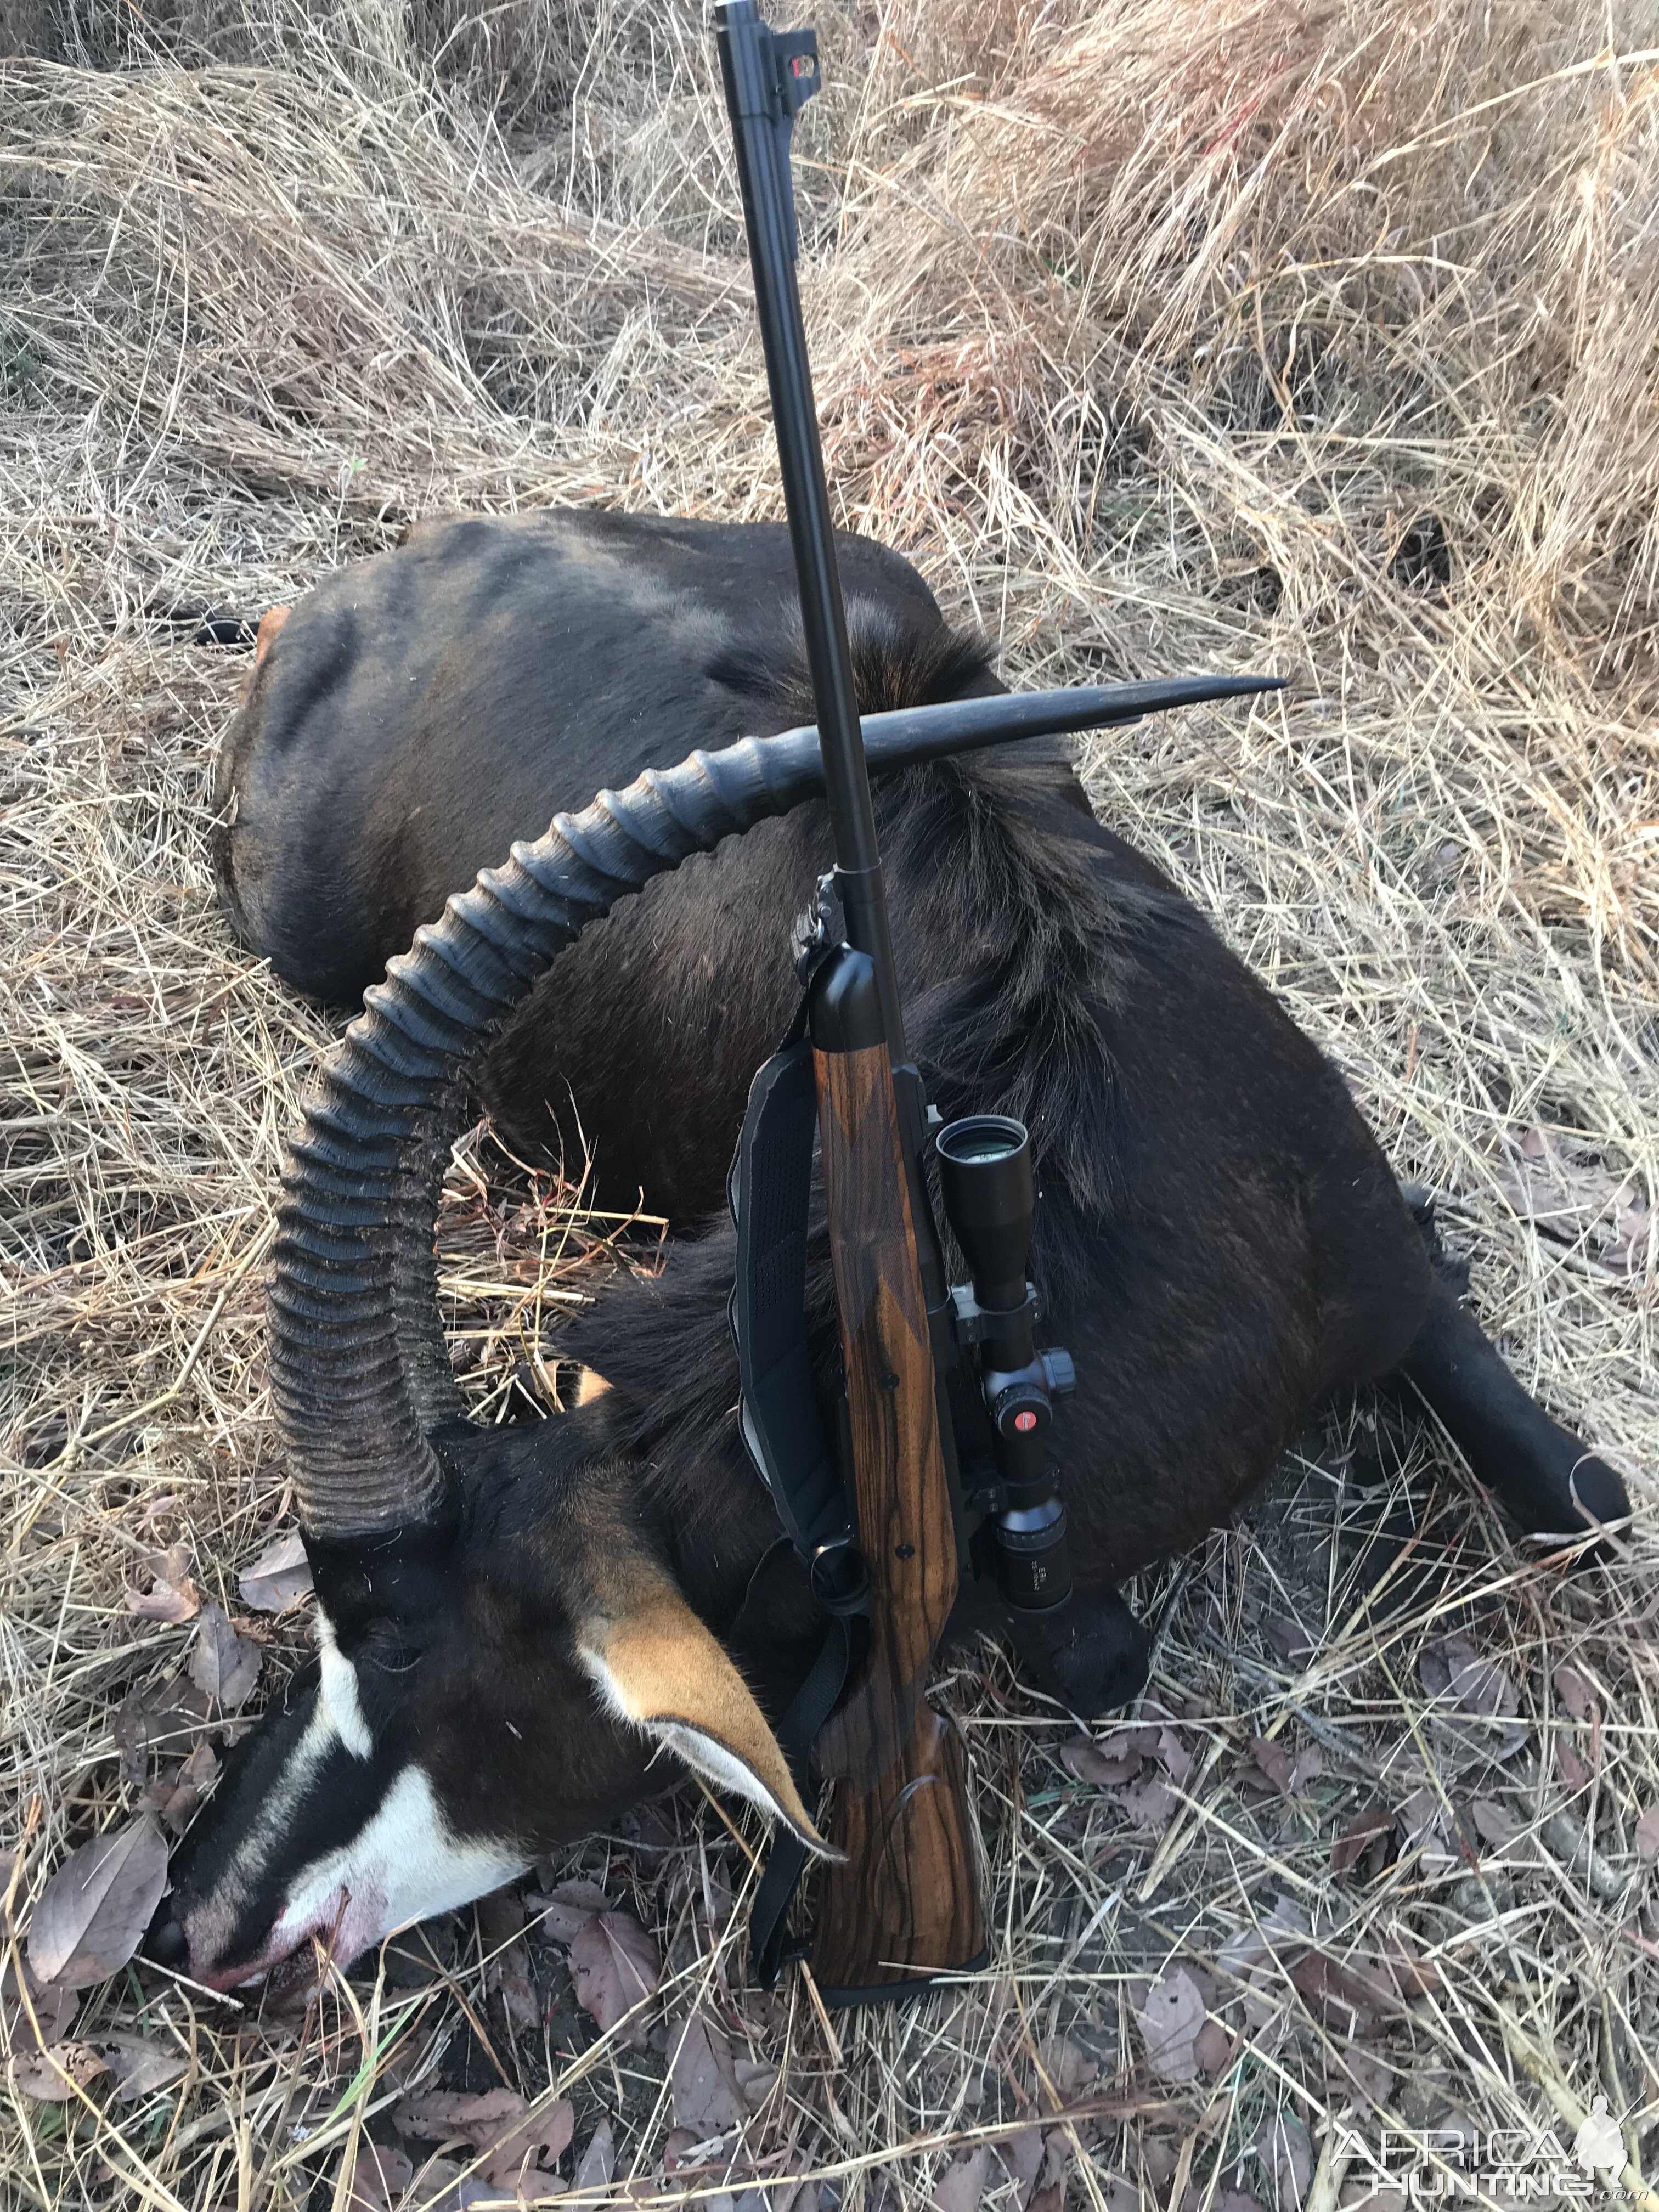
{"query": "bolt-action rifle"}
pixel 900 1902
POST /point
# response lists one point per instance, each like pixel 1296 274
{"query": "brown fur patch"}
pixel 270 629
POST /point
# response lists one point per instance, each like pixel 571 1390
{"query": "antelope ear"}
pixel 657 1666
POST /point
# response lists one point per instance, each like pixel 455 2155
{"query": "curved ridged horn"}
pixel 359 1373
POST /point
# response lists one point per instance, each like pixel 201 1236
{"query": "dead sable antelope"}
pixel 513 1622
pixel 420 711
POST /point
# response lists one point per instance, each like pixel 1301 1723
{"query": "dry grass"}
pixel 1246 333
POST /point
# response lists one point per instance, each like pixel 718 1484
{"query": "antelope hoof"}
pixel 1091 1654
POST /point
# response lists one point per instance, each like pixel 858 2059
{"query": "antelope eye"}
pixel 387 1649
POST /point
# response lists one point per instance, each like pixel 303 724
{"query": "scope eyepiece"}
pixel 990 1197
pixel 981 1136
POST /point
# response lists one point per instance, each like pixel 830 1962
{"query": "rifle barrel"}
pixel 760 132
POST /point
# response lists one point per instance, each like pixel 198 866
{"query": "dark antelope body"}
pixel 425 709
pixel 513 1622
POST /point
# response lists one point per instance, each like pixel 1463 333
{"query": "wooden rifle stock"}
pixel 903 1905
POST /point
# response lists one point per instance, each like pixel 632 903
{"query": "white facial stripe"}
pixel 336 1718
pixel 406 1864
pixel 338 1696
pixel 265 1838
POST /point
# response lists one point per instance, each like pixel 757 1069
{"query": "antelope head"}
pixel 503 1643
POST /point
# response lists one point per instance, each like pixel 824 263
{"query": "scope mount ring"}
pixel 973 1323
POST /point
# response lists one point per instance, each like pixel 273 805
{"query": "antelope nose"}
pixel 166 1943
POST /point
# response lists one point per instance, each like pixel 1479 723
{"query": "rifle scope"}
pixel 990 1199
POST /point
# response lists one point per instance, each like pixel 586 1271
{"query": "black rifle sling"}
pixel 813 1703
pixel 770 1189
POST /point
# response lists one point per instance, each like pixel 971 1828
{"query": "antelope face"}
pixel 328 1826
pixel 423 1761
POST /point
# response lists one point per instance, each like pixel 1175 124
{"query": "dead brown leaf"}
pixel 222 1664
pixel 1274 1761
pixel 1150 1802
pixel 497 2123
pixel 93 1912
pixel 53 2075
pixel 278 1578
pixel 1370 2077
pixel 501 1916
pixel 1289 1638
pixel 1412 1974
pixel 1134 1741
pixel 506 1970
pixel 1505 1831
pixel 1566 1196
pixel 1337 1998
pixel 1170 2017
pixel 1048 2193
pixel 1464 1682
pixel 1283 1932
pixel 1357 1836
pixel 138 2065
pixel 535 2148
pixel 160 1720
pixel 1068 2066
pixel 598 2163
pixel 1309 1766
pixel 1576 1694
pixel 443 2115
pixel 439 2186
pixel 961 2184
pixel 707 2097
pixel 1022 2157
pixel 615 1966
pixel 1089 1764
pixel 177 1791
pixel 381 2175
pixel 566 1911
pixel 174 1597
pixel 756 2080
pixel 1283 2146
pixel 678 2147
pixel 1647 1835
pixel 1569 1766
pixel 1173 1756
pixel 51 2008
pixel 163 1603
pixel 511 1980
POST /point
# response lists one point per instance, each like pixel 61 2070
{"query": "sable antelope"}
pixel 420 711
pixel 513 1622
